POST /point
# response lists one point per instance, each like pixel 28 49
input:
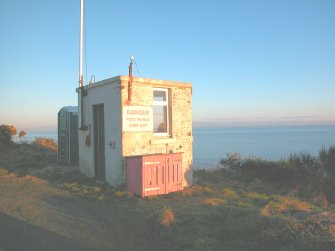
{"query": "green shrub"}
pixel 308 175
pixel 327 158
pixel 233 160
pixel 296 168
pixel 265 170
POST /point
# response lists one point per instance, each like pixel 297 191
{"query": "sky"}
pixel 251 62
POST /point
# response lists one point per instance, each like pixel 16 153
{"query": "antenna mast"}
pixel 81 91
pixel 81 43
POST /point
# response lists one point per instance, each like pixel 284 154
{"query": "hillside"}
pixel 237 207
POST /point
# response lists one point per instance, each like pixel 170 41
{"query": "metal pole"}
pixel 81 81
pixel 130 82
pixel 81 43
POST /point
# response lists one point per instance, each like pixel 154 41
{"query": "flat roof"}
pixel 140 80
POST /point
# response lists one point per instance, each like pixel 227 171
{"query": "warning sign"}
pixel 137 118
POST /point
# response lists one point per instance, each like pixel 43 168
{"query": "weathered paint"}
pixel 113 93
pixel 154 174
pixel 108 93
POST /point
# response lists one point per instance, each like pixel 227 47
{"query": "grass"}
pixel 24 157
pixel 248 206
pixel 225 215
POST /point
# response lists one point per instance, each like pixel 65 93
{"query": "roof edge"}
pixel 140 80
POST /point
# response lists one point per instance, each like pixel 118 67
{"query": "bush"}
pixel 233 160
pixel 21 157
pixel 296 168
pixel 307 175
pixel 22 134
pixel 45 142
pixel 327 158
pixel 265 170
pixel 6 133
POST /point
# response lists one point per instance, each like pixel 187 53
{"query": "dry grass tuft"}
pixel 120 193
pixel 271 208
pixel 34 180
pixel 332 231
pixel 213 201
pixel 257 196
pixel 167 217
pixel 3 172
pixel 229 194
pixel 102 198
pixel 197 189
pixel 97 189
pixel 282 204
pixel 302 207
pixel 322 200
pixel 46 142
pixel 75 187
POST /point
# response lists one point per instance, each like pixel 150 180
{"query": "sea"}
pixel 212 144
pixel 31 136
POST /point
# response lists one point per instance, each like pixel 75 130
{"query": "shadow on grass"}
pixel 19 235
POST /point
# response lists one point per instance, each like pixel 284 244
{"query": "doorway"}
pixel 99 142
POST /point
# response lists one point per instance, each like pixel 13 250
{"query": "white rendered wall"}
pixel 106 92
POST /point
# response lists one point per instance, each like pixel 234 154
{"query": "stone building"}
pixel 126 116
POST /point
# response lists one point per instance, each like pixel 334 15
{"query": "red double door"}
pixel 154 174
pixel 162 174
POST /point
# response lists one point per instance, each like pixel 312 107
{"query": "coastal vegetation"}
pixel 246 204
pixel 23 157
pixel 304 175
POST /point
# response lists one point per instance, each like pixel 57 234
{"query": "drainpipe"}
pixel 130 82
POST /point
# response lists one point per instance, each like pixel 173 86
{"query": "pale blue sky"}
pixel 250 62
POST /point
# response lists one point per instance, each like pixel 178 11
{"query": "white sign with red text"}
pixel 137 118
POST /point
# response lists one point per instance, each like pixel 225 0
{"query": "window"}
pixel 161 111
